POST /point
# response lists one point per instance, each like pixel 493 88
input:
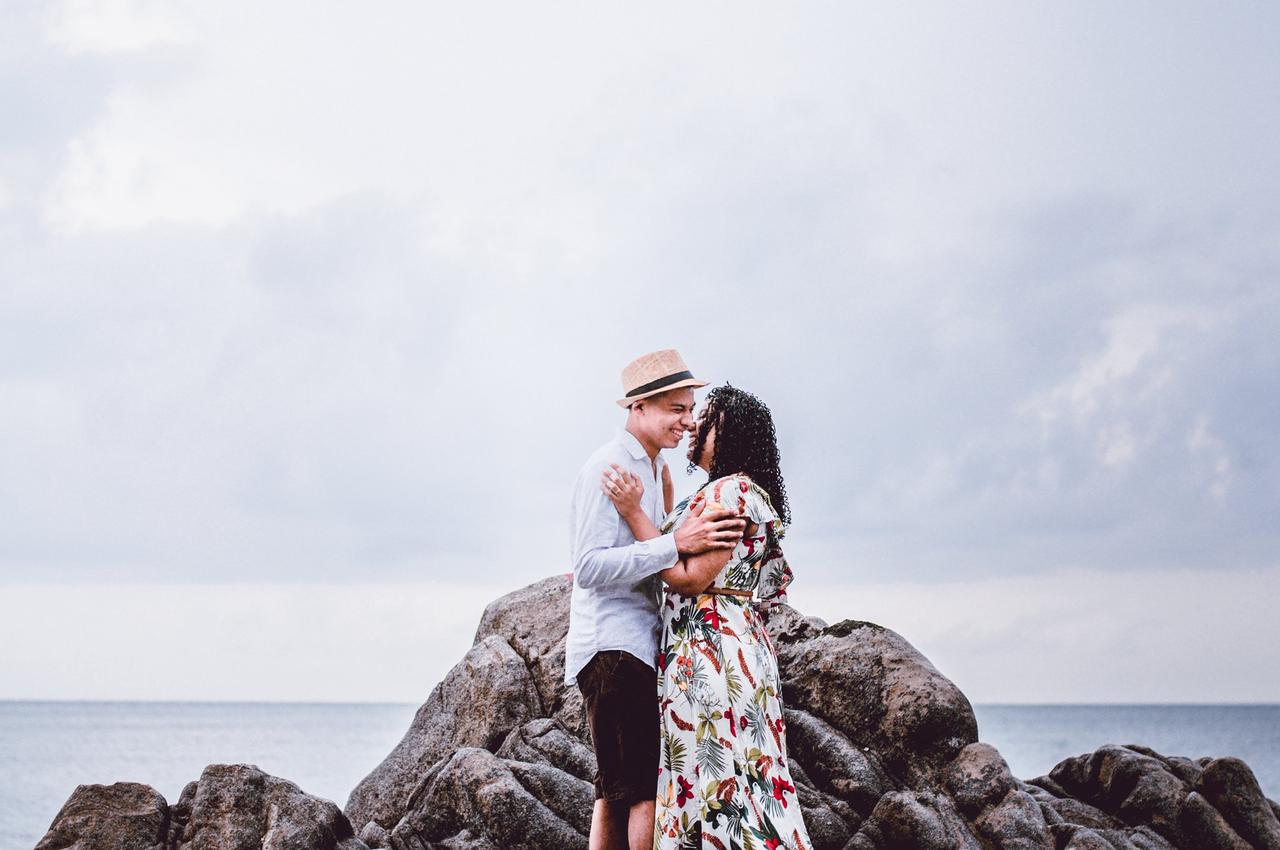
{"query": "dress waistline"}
pixel 728 591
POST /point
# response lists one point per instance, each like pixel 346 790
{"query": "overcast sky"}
pixel 309 313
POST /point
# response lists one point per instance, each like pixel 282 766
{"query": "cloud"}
pixel 346 299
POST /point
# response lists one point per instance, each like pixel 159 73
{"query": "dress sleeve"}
pixel 741 495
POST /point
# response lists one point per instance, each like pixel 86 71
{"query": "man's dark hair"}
pixel 745 443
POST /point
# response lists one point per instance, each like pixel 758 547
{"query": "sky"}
pixel 310 312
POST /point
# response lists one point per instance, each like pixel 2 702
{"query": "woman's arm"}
pixel 668 490
pixel 694 574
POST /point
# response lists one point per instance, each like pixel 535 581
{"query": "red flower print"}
pixel 780 787
pixel 773 844
pixel 728 715
pixel 686 791
pixel 743 485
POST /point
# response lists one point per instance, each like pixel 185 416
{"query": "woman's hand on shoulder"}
pixel 624 489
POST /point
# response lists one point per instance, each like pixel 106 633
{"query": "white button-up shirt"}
pixel 616 589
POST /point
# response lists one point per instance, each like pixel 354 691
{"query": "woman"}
pixel 724 780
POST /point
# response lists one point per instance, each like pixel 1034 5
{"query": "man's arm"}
pixel 596 561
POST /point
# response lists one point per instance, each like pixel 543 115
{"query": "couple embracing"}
pixel 667 639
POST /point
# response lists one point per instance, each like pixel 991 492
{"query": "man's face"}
pixel 667 416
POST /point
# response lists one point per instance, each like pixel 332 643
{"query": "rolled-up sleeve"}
pixel 596 560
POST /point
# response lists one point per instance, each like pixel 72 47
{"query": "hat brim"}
pixel 693 383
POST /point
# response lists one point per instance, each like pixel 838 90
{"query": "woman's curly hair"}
pixel 745 443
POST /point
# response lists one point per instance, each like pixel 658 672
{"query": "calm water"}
pixel 47 748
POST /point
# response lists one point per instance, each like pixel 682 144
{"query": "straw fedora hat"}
pixel 653 373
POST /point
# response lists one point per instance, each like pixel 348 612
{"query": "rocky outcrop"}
pixel 231 807
pixel 884 750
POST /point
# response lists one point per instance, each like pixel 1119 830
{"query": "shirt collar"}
pixel 633 447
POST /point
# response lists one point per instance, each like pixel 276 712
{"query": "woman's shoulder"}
pixel 738 492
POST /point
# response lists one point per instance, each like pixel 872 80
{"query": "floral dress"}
pixel 724 780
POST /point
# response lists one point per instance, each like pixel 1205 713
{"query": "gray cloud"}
pixel 1013 304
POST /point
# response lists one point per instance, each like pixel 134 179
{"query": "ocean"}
pixel 47 748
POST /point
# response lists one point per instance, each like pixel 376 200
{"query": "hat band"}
pixel 660 383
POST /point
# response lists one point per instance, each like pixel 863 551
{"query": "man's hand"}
pixel 706 530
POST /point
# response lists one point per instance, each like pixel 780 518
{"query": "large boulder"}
pixel 123 816
pixel 880 693
pixel 231 807
pixel 482 699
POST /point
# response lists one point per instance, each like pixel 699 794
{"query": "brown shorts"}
pixel 621 696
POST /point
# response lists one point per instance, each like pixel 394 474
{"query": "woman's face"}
pixel 703 424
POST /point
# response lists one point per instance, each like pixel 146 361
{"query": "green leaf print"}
pixel 755 722
pixel 733 682
pixel 711 756
pixel 673 753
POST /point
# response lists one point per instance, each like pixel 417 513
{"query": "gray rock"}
pixel 1014 823
pixel 474 800
pixel 485 696
pixel 787 625
pixel 1231 787
pixel 547 741
pixel 834 764
pixel 123 816
pixel 231 807
pixel 978 777
pixel 534 621
pixel 879 692
pixel 239 807
pixel 375 835
pixel 1204 828
pixel 905 820
pixel 1070 810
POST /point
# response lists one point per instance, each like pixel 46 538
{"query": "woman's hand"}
pixel 624 489
pixel 668 490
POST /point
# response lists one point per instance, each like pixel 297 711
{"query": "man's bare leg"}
pixel 609 827
pixel 640 825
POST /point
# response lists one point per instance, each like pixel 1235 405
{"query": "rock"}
pixel 231 807
pixel 918 821
pixel 1231 787
pixel 473 799
pixel 485 696
pixel 548 742
pixel 835 765
pixel 520 619
pixel 1204 827
pixel 977 778
pixel 123 816
pixel 375 835
pixel 1075 811
pixel 239 807
pixel 1014 823
pixel 881 694
pixel 787 625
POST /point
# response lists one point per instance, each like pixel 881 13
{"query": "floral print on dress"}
pixel 724 780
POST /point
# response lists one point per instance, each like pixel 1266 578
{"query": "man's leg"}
pixel 640 825
pixel 609 827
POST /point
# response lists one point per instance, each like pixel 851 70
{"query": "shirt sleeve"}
pixel 596 560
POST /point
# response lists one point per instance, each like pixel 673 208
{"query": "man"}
pixel 613 617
